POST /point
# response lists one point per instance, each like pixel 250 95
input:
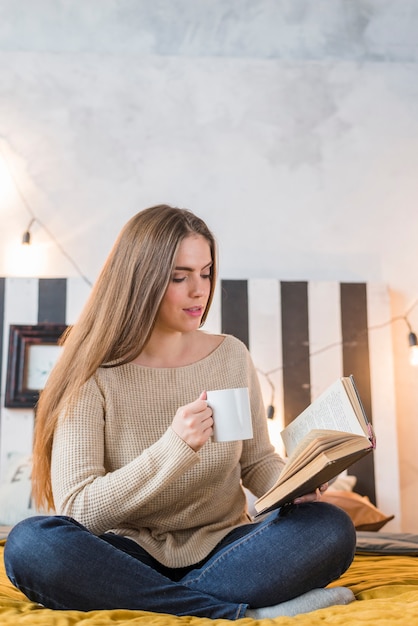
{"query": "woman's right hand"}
pixel 194 422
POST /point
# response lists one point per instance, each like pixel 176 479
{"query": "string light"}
pixel 412 342
pixel 26 240
pixel 413 348
pixel 26 237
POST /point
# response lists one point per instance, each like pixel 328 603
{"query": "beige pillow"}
pixel 343 483
pixel 364 514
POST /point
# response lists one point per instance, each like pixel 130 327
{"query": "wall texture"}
pixel 291 126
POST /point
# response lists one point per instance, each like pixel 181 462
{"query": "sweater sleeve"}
pixel 82 486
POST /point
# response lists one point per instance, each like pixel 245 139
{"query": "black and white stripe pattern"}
pixel 31 301
pixel 304 335
pixel 301 335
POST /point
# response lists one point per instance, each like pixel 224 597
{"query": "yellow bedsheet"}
pixel 386 588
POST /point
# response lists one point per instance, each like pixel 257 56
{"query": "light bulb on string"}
pixel 23 257
pixel 26 237
pixel 413 348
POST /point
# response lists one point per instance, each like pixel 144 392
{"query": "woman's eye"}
pixel 178 280
pixel 206 275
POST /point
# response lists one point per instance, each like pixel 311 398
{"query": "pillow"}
pixel 343 482
pixel 16 490
pixel 364 514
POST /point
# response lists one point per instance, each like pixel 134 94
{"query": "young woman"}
pixel 150 513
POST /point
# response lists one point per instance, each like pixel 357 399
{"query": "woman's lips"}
pixel 195 311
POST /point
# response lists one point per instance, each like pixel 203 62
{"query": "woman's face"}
pixel 187 294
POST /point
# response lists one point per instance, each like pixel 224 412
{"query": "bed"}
pixel 384 574
pixel 383 577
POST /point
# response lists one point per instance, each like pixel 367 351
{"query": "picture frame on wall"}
pixel 33 352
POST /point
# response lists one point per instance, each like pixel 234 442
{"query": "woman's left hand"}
pixel 312 497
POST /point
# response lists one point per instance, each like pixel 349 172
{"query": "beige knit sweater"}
pixel 118 465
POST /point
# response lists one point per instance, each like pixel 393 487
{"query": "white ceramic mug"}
pixel 231 414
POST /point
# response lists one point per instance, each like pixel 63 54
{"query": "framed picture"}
pixel 33 352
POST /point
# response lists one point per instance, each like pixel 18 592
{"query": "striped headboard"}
pixel 301 335
pixel 304 335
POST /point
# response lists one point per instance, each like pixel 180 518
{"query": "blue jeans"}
pixel 57 562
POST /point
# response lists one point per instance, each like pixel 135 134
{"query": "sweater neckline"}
pixel 148 368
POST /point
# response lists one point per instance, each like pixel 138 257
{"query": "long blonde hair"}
pixel 117 320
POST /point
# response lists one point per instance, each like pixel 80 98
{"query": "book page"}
pixel 332 410
pixel 317 442
pixel 353 394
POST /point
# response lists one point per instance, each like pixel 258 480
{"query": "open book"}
pixel 324 440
